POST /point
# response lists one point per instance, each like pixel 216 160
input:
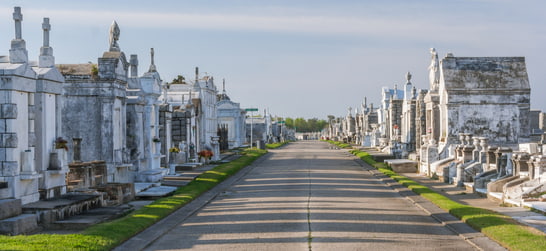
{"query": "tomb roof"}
pixel 76 69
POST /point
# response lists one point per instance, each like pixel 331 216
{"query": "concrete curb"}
pixel 154 232
pixel 475 238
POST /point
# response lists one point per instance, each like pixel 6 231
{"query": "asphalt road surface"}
pixel 308 196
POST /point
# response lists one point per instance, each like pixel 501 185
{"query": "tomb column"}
pixel 531 165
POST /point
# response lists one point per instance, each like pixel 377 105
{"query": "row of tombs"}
pixel 74 137
pixel 500 172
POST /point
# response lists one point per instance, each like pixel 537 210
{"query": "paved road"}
pixel 307 196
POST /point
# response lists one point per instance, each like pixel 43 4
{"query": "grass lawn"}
pixel 501 228
pixel 108 235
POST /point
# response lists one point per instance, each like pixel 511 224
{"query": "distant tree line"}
pixel 305 125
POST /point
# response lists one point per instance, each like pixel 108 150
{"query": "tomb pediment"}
pixel 23 70
pixel 49 74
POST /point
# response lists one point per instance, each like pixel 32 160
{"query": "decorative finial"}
pixel 152 65
pixel 224 85
pixel 408 77
pixel 196 74
pixel 114 36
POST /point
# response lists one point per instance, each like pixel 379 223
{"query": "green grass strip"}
pixel 501 228
pixel 276 145
pixel 339 144
pixel 108 235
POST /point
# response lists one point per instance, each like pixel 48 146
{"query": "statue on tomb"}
pixel 114 36
pixel 434 73
pixel 182 146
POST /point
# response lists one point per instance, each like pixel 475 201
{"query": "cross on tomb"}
pixel 46 27
pixel 17 17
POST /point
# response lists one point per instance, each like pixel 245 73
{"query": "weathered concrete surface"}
pixel 304 196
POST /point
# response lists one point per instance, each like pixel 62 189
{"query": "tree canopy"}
pixel 305 125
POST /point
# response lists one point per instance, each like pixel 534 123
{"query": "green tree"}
pixel 179 80
pixel 305 125
pixel 300 124
pixel 289 122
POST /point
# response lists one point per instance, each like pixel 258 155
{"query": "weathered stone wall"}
pixel 94 110
pixel 486 96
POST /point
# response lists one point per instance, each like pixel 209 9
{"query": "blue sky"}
pixel 296 58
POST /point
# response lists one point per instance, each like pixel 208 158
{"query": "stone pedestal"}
pixel 430 155
pixel 18 53
pixel 216 147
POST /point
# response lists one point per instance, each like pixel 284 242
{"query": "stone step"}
pixel 63 207
pixel 175 183
pixel 142 186
pixel 187 166
pixel 91 217
pixel 10 208
pixel 156 192
pixel 21 224
pixel 178 178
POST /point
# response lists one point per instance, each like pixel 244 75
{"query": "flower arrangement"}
pixel 174 149
pixel 60 143
pixel 205 154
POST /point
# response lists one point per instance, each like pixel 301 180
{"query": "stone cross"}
pixel 17 17
pixel 46 58
pixel 46 27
